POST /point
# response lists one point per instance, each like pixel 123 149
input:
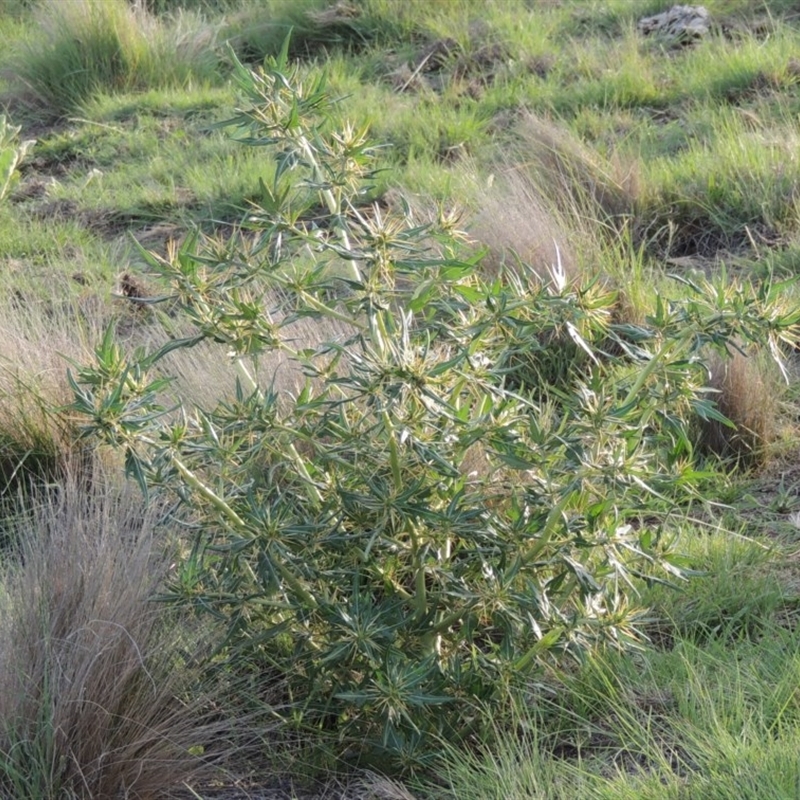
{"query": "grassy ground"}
pixel 560 132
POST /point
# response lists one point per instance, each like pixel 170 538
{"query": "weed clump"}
pixel 339 529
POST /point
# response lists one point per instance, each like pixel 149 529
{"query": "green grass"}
pixel 711 712
pixel 557 130
pixel 145 170
pixel 718 194
pixel 83 46
pixel 719 721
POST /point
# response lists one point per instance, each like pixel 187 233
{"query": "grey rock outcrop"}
pixel 681 24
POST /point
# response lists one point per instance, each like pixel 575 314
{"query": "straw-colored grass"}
pixel 97 696
pixel 747 390
pixel 37 439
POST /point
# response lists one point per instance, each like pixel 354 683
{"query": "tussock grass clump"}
pixel 515 219
pixel 747 393
pixel 172 6
pixel 556 201
pixel 259 28
pixel 37 441
pixel 36 444
pixel 318 26
pixel 96 699
pixel 82 46
pixel 579 181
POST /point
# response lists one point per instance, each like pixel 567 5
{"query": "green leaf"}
pixel 469 293
pixel 708 410
pixel 169 347
pixel 514 461
pixel 135 469
pixel 547 642
pixel 282 61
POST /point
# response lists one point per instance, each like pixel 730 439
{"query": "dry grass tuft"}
pixel 575 178
pixel 37 441
pixel 553 200
pixel 748 393
pixel 96 699
pixel 35 340
pixel 515 220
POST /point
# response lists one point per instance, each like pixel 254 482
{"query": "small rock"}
pixel 681 24
pixel 337 14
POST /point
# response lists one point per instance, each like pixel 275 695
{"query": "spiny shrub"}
pixel 12 152
pixel 426 522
